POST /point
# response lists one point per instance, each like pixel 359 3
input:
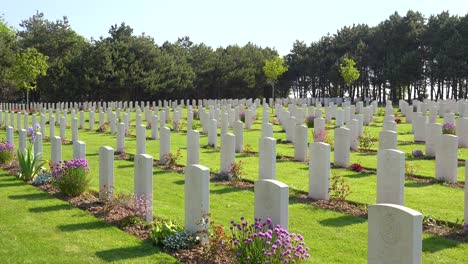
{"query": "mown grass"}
pixel 37 228
pixel 333 237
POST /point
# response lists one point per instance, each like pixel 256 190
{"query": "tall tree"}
pixel 273 69
pixel 29 65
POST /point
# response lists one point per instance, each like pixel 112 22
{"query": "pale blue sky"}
pixel 220 23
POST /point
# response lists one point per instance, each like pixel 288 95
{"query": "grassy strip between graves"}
pixel 37 228
pixel 334 237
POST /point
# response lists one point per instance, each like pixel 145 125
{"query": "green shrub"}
pixel 162 230
pixel 180 240
pixel 29 165
pixel 71 177
pixel 7 152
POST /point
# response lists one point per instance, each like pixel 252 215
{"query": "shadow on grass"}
pixel 225 189
pixel 50 208
pixel 83 226
pixel 11 184
pixel 125 166
pixel 117 254
pixel 92 154
pixel 358 175
pixel 341 221
pixel 413 184
pixel 10 178
pixel 30 196
pixel 433 244
pixel 180 182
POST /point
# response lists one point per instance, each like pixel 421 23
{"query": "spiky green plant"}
pixel 29 164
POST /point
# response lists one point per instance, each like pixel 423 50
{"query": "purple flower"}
pixel 449 128
pixel 418 153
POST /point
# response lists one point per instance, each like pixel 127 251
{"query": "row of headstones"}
pixel 272 198
pixel 435 108
pixel 79 147
pixel 87 105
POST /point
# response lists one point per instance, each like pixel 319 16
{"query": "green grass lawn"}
pixel 38 228
pixel 333 237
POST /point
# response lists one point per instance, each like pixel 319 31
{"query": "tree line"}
pixel 402 57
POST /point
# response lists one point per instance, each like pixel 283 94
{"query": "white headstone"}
pixel 300 143
pixel 193 147
pixel 91 120
pixel 239 133
pixel 63 126
pixel 120 137
pixel 389 125
pixel 74 130
pixel 212 132
pixel 141 139
pixel 267 158
pixel 271 201
pixel 38 146
pixel 420 123
pixel 144 186
pixel 390 176
pixel 466 192
pixel 290 129
pixel 228 141
pixel 388 139
pixel 56 150
pixel 395 235
pixel 342 146
pixel 462 132
pixel 106 172
pixel 447 158
pixel 354 139
pixel 267 130
pixel 154 127
pixel 22 139
pixel 164 145
pixel 79 150
pixel 434 131
pixel 197 198
pixel 319 171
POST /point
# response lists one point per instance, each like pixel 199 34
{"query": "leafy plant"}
pixel 417 153
pixel 104 128
pixel 130 220
pixel 180 240
pixel 71 177
pixel 236 171
pixel 242 116
pixel 410 169
pixel 218 243
pixel 339 189
pixel 29 164
pixel 449 128
pixel 310 121
pixel 248 149
pixel 196 116
pixel 366 141
pixel 429 220
pixel 172 159
pixel 162 230
pixel 42 178
pixel 7 152
pixel 380 112
pixel 321 136
pixel 261 242
pixel 356 167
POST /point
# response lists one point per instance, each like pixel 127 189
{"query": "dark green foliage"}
pixel 402 57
